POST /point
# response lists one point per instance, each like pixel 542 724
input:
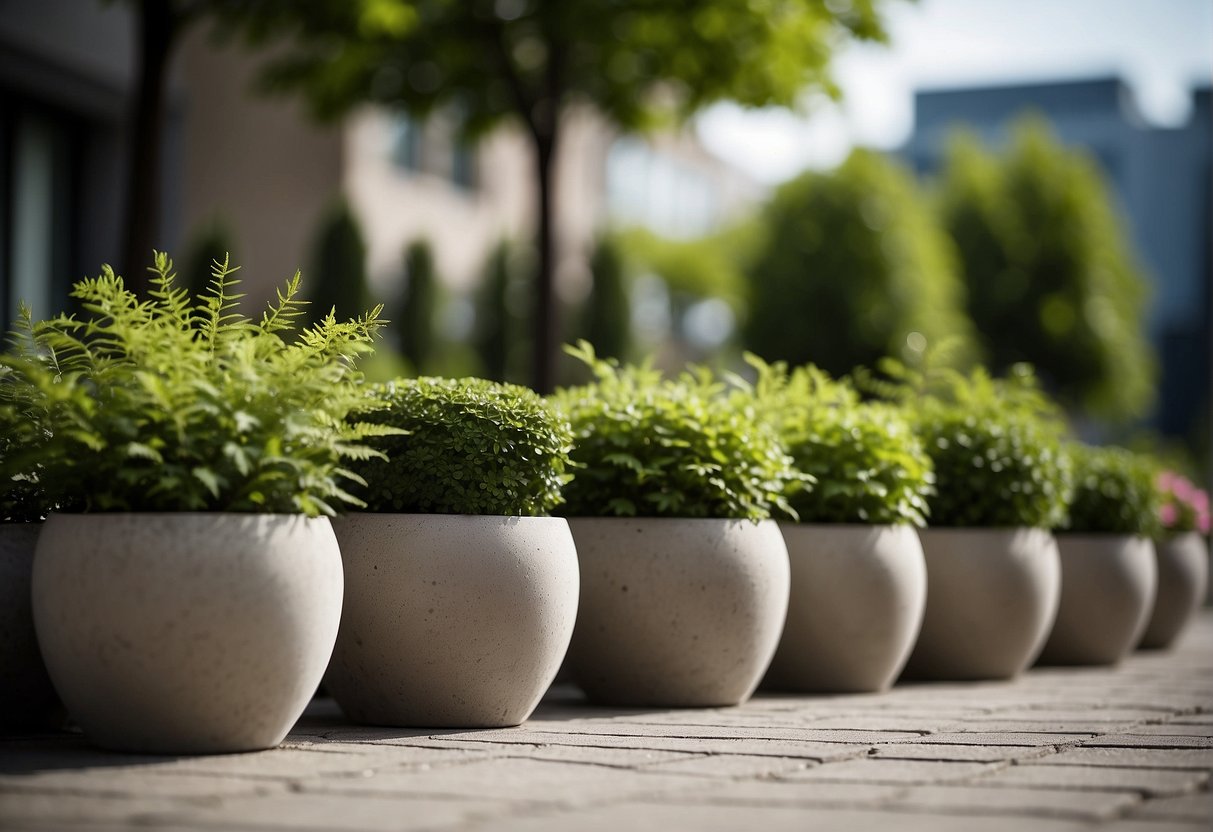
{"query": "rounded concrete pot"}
pixel 858 595
pixel 1107 588
pixel 992 595
pixel 28 701
pixel 677 612
pixel 186 632
pixel 1183 571
pixel 451 621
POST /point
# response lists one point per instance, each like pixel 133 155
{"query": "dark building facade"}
pixel 1163 178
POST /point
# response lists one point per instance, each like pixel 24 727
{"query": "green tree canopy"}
pixel 529 60
pixel 854 267
pixel 1050 273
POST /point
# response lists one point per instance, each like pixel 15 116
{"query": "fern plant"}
pixel 653 447
pixel 868 464
pixel 180 404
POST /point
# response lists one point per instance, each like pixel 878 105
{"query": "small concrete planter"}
pixel 992 595
pixel 457 621
pixel 186 633
pixel 1108 583
pixel 858 596
pixel 1183 572
pixel 27 699
pixel 677 612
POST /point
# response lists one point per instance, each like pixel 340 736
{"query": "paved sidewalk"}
pixel 1129 748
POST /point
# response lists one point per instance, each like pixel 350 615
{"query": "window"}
pixel 39 157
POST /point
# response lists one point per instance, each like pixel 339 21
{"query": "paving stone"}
pixel 731 766
pixel 1132 758
pixel 873 770
pixel 133 782
pixel 1153 782
pixel 61 810
pixel 643 817
pixel 1190 807
pixel 805 793
pixel 532 781
pixel 691 731
pixel 988 800
pixel 1001 738
pixel 768 748
pixel 959 753
pixel 1149 741
pixel 322 812
pixel 617 757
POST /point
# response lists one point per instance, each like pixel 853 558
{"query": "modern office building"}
pixel 1163 178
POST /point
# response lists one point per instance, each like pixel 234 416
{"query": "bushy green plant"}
pixel 653 447
pixel 995 445
pixel 1114 492
pixel 1049 269
pixel 174 404
pixel 853 266
pixel 869 465
pixel 472 447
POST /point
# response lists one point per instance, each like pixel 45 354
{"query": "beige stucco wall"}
pixel 257 164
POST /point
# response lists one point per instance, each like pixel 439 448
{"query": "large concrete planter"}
pixel 451 620
pixel 677 612
pixel 27 699
pixel 186 633
pixel 1183 572
pixel 992 595
pixel 856 606
pixel 1107 589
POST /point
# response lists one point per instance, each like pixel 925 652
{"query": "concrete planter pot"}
pixel 28 701
pixel 186 633
pixel 857 601
pixel 1183 572
pixel 992 595
pixel 677 612
pixel 1108 583
pixel 451 621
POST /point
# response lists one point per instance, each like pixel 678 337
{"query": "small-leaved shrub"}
pixel 470 447
pixel 1114 492
pixel 654 447
pixel 868 464
pixel 177 404
pixel 995 445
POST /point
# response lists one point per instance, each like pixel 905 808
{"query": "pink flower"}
pixel 1168 514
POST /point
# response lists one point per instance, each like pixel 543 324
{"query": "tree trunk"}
pixel 157 28
pixel 547 318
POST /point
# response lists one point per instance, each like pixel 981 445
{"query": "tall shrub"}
pixel 854 267
pixel 338 266
pixel 419 309
pixel 1049 269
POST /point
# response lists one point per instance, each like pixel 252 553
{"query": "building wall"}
pixel 258 166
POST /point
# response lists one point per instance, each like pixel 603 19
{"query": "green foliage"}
pixel 1050 273
pixel 170 404
pixel 695 269
pixel 868 464
pixel 420 307
pixel 608 313
pixel 995 445
pixel 502 327
pixel 652 447
pixel 492 60
pixel 853 268
pixel 339 266
pixel 472 447
pixel 1114 492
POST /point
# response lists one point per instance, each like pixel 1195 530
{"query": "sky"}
pixel 1161 47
